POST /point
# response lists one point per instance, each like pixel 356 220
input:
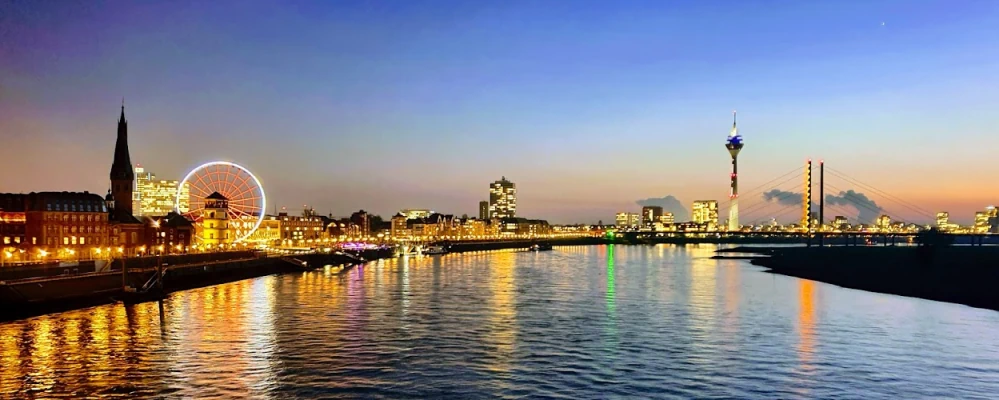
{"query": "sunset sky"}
pixel 588 106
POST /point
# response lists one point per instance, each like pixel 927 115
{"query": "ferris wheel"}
pixel 240 187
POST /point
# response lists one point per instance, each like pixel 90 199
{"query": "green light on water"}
pixel 610 279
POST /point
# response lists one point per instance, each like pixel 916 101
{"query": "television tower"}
pixel 734 145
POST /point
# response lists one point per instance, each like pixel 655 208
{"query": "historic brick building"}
pixel 66 222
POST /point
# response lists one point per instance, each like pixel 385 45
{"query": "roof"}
pixel 216 196
pixel 65 201
pixel 170 220
pixel 12 202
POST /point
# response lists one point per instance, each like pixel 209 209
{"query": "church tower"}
pixel 122 175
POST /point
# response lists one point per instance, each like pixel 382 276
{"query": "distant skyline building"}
pixel 158 197
pixel 667 218
pixel 484 209
pixel 627 220
pixel 502 199
pixel 943 218
pixel 705 212
pixel 987 220
pixel 651 214
pixel 734 145
pixel 416 213
pixel 884 221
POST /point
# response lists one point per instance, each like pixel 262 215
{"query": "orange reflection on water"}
pixel 806 322
pixel 503 318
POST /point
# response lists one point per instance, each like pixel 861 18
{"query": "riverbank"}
pixel 30 297
pixel 966 275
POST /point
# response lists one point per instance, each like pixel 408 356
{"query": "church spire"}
pixel 122 175
pixel 121 165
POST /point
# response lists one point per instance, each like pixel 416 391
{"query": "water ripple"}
pixel 578 322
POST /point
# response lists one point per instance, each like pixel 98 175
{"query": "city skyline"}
pixel 899 105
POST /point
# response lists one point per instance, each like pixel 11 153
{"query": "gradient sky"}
pixel 587 106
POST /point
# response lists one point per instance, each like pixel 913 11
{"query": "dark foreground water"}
pixel 577 322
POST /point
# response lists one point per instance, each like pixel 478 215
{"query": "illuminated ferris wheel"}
pixel 240 187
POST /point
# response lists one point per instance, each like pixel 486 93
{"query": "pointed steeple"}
pixel 122 175
pixel 121 165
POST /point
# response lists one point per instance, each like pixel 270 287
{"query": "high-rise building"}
pixel 502 199
pixel 627 220
pixel 943 218
pixel 158 197
pixel 705 212
pixel 483 209
pixel 734 145
pixel 840 222
pixel 986 221
pixel 651 214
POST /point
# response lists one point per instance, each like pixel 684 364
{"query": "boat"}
pixel 540 247
pixel 435 250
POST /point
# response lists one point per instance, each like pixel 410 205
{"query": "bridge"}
pixel 810 193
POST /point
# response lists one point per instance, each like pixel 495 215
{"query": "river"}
pixel 577 322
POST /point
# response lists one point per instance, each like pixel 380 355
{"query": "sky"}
pixel 588 106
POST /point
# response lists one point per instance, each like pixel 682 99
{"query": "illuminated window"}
pixel 17 239
pixel 74 240
pixel 82 240
pixel 34 240
pixel 6 240
pixel 65 240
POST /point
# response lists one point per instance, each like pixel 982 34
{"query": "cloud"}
pixel 669 204
pixel 782 197
pixel 868 210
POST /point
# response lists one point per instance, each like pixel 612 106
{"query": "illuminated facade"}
pixel 297 231
pixel 884 222
pixel 13 221
pixel 667 218
pixel 269 231
pixel 414 213
pixel 705 212
pixel 840 222
pixel 502 199
pixel 627 220
pixel 734 145
pixel 943 219
pixel 158 197
pixel 987 221
pixel 66 225
pixel 215 220
pixel 399 227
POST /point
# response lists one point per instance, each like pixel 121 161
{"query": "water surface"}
pixel 577 322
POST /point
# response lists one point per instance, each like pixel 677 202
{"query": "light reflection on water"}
pixel 585 322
